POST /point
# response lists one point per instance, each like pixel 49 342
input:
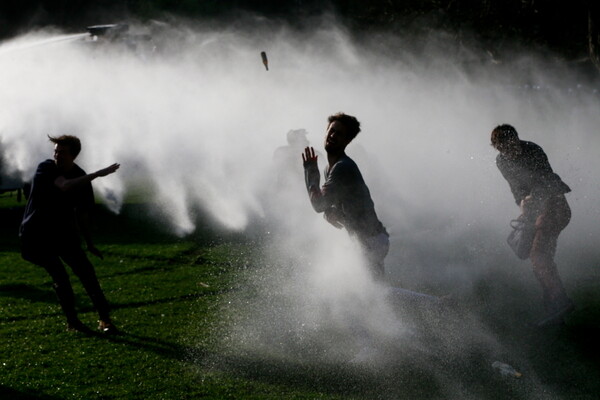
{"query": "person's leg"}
pixel 76 258
pixel 544 267
pixel 376 249
pixel 553 220
pixel 61 283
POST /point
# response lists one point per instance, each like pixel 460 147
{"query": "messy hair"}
pixel 504 133
pixel 72 142
pixel 350 122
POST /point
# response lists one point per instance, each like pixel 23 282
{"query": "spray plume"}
pixel 199 123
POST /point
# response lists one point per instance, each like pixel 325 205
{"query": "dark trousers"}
pixel 375 248
pixel 554 217
pixel 49 258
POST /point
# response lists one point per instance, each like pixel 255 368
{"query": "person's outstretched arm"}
pixel 65 184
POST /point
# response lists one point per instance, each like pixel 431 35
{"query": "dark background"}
pixel 567 28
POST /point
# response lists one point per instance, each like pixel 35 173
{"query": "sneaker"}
pixel 556 316
pixel 107 328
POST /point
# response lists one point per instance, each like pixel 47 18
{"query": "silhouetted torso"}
pixel 530 173
pixel 345 189
pixel 50 213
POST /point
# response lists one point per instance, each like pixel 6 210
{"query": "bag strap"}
pixel 517 224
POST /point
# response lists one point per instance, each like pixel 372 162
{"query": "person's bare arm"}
pixel 65 184
pixel 317 197
pixel 312 178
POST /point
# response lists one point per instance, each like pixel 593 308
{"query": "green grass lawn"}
pixel 167 296
pixel 177 302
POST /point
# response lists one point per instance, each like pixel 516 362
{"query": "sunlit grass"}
pixel 176 298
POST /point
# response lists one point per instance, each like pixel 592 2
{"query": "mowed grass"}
pixel 172 299
pixel 165 293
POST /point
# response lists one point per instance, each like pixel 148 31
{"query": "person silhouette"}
pixel 285 159
pixel 344 198
pixel 56 217
pixel 540 193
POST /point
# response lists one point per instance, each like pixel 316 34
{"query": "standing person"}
pixel 345 198
pixel 55 219
pixel 285 159
pixel 540 193
pixel 288 190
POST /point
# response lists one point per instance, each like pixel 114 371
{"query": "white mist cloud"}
pixel 200 118
pixel 203 120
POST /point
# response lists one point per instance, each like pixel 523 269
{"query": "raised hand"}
pixel 309 155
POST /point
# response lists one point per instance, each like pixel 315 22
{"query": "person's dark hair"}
pixel 350 122
pixel 72 142
pixel 504 133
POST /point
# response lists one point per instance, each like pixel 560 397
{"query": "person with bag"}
pixel 540 193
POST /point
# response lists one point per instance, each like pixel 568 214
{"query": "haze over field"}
pixel 198 118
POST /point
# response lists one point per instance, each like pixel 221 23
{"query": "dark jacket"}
pixel 530 173
pixel 50 214
pixel 345 193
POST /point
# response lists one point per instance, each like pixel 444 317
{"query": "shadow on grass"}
pixel 420 376
pixel 344 380
pixel 131 271
pixel 447 360
pixel 115 306
pixel 585 333
pixel 185 297
pixel 11 394
pixel 160 347
pixel 28 292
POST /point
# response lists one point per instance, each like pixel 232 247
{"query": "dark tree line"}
pixel 569 28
